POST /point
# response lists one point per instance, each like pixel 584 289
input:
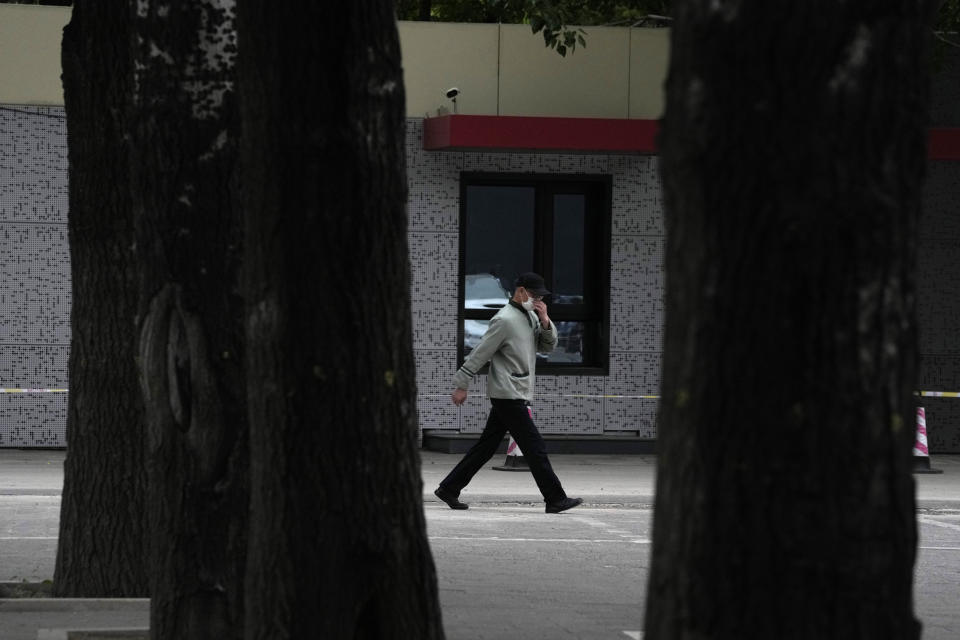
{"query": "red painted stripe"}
pixel 539 134
pixel 944 144
pixel 601 135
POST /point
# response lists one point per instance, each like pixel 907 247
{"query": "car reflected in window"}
pixel 481 291
pixel 556 225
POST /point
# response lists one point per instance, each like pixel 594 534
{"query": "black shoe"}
pixel 563 505
pixel 451 500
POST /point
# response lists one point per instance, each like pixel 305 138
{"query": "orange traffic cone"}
pixel 515 460
pixel 921 455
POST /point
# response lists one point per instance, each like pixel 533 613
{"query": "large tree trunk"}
pixel 102 520
pixel 426 7
pixel 793 154
pixel 184 156
pixel 338 545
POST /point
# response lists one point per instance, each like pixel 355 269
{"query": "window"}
pixel 558 226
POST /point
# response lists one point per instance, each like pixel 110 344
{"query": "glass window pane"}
pixel 499 241
pixel 473 331
pixel 569 213
pixel 483 291
pixel 570 338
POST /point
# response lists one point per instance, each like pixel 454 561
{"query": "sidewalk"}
pixel 598 479
pixel 612 480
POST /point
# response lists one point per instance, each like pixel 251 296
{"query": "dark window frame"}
pixel 596 255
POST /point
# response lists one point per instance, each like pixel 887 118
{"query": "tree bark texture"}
pixel 338 545
pixel 102 518
pixel 189 240
pixel 426 8
pixel 793 151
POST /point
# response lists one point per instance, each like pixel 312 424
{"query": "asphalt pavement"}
pixel 489 558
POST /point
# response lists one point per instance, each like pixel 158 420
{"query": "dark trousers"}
pixel 512 416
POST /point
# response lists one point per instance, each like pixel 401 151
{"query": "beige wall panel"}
pixel 30 53
pixel 437 56
pixel 591 82
pixel 649 59
pixel 533 80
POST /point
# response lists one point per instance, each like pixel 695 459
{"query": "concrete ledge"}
pixel 455 442
pixel 74 604
pixel 93 634
pixel 595 501
pixel 31 492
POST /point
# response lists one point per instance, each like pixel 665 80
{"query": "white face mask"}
pixel 528 304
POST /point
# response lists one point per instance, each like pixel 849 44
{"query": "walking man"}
pixel 516 333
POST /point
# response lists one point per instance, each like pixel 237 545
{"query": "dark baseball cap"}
pixel 532 282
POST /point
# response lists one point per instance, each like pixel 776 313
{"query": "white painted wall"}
pixel 30 53
pixel 439 56
pixel 506 70
pixel 499 69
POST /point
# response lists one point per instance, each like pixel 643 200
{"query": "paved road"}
pixel 516 572
pixel 937 576
pixel 28 537
pixel 512 571
pixel 584 573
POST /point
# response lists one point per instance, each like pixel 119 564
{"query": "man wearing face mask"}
pixel 516 333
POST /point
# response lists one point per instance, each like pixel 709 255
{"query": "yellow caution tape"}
pixel 558 395
pixel 590 395
pixel 926 394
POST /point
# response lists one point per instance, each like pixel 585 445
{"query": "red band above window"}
pixel 539 134
pixel 944 144
pixel 583 135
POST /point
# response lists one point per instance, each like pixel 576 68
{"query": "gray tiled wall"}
pixel 34 276
pixel 938 303
pixel 636 292
pixel 35 288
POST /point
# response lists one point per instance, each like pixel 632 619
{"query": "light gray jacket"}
pixel 510 345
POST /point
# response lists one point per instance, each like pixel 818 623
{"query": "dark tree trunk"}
pixel 184 140
pixel 426 7
pixel 102 520
pixel 793 154
pixel 338 545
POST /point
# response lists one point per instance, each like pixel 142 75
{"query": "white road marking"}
pixel 937 523
pixel 940 548
pixel 564 540
pixel 635 635
pixel 592 522
pixel 495 539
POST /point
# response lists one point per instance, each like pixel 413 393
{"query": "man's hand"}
pixel 459 396
pixel 541 309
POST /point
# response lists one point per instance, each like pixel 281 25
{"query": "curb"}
pixel 629 501
pixel 938 505
pixel 139 633
pixel 589 500
pixel 31 492
pixel 73 604
pixel 536 500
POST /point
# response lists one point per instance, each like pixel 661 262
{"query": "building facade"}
pixel 586 211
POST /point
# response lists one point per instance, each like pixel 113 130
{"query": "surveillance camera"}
pixel 453 92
